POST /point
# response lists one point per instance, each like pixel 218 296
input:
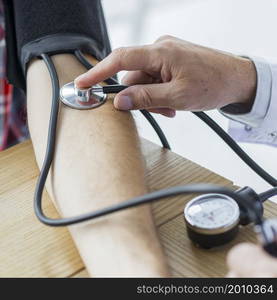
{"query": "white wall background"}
pixel 240 26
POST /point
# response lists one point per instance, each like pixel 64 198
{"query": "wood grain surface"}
pixel 30 249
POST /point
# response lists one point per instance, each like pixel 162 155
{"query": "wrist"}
pixel 246 83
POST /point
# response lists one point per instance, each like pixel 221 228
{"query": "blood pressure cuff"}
pixel 34 27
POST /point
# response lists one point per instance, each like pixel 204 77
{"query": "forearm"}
pixel 97 163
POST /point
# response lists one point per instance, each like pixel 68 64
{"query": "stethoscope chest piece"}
pixel 80 99
pixel 212 220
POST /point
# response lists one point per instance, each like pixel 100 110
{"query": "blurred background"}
pixel 238 26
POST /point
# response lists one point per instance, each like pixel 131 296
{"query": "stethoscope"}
pixel 212 219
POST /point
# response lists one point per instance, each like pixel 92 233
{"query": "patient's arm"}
pixel 97 163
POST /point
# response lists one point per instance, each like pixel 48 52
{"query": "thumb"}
pixel 144 96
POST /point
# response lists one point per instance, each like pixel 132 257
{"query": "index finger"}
pixel 126 58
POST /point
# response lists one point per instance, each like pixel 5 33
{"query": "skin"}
pixel 249 260
pixel 172 74
pixel 98 162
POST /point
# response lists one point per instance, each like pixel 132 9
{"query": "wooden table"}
pixel 30 249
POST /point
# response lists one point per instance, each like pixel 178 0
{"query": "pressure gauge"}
pixel 212 220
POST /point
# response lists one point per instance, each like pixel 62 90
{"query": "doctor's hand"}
pixel 249 260
pixel 173 74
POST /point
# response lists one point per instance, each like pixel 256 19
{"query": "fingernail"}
pixel 123 103
pixel 171 114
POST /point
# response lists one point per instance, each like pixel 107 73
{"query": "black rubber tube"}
pixel 144 199
pixel 236 148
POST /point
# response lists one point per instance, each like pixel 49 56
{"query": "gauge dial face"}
pixel 212 211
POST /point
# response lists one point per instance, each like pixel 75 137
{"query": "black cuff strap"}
pixel 34 27
pixel 60 43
